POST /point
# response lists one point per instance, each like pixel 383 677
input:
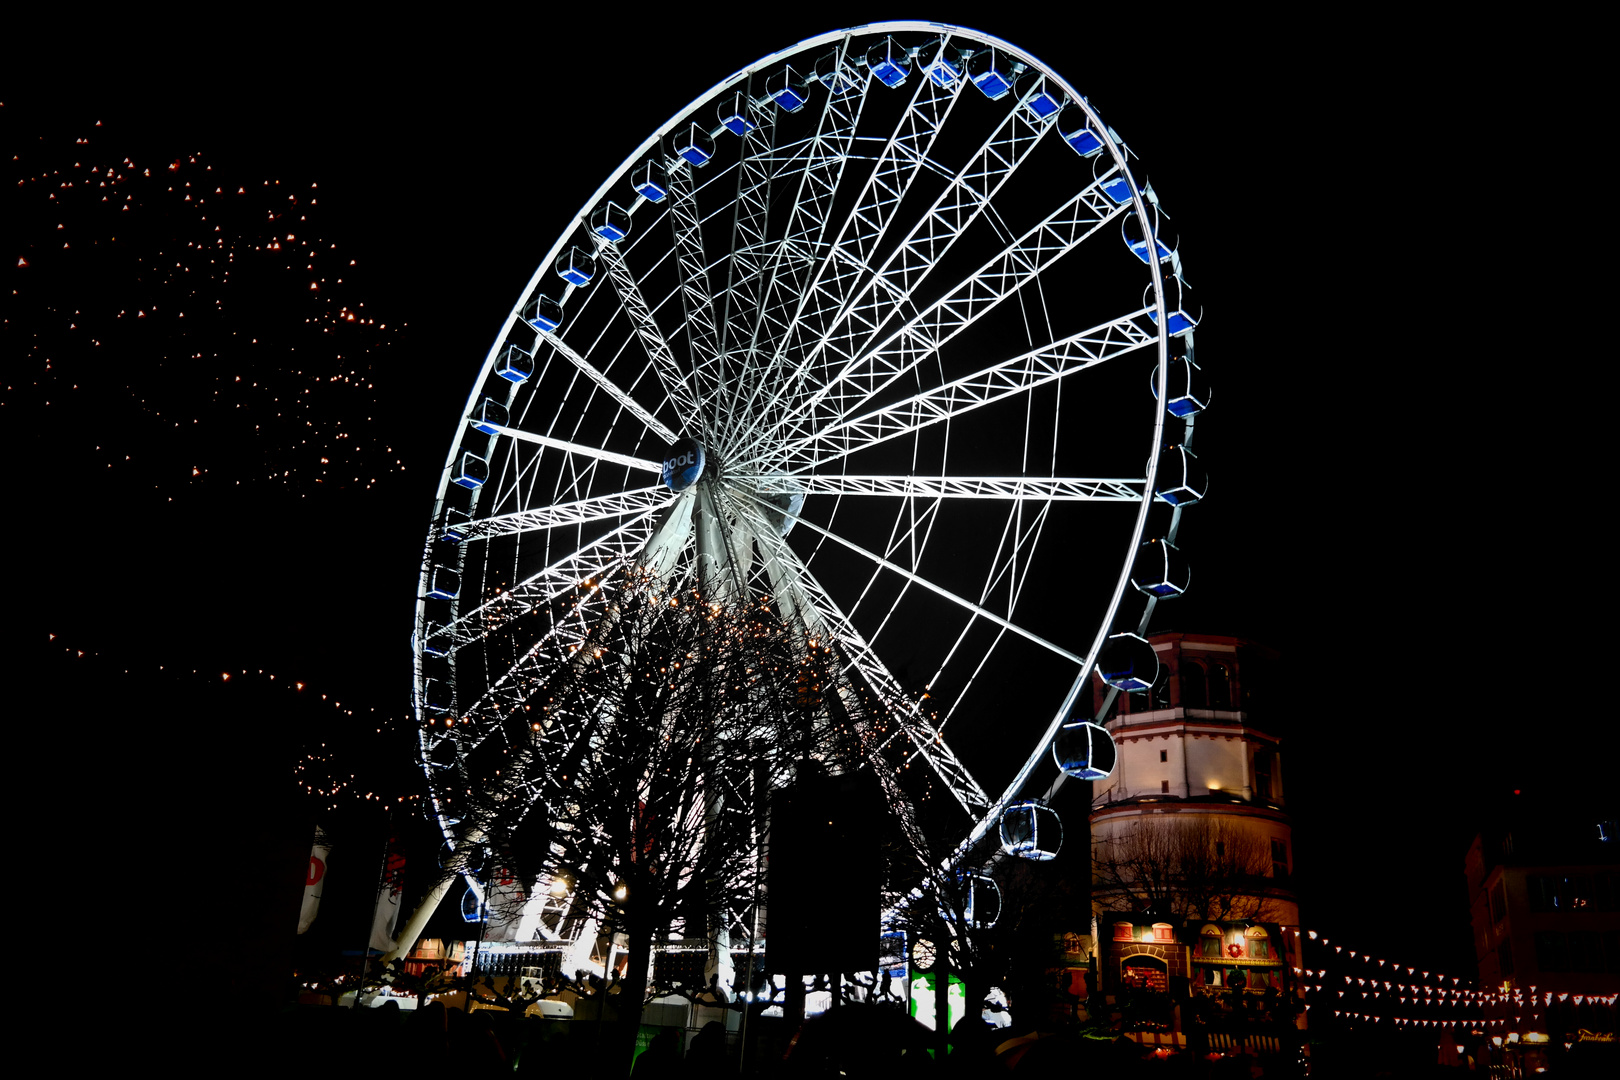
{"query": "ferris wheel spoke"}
pixel 578 512
pixel 796 254
pixel 707 379
pixel 1003 275
pixel 1009 378
pixel 627 460
pixel 617 547
pixel 675 384
pixel 799 593
pixel 969 191
pixel 1038 489
pixel 745 268
pixel 917 579
pixel 848 259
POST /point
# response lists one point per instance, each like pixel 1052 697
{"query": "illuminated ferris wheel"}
pixel 874 328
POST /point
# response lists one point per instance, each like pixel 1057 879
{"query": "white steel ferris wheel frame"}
pixel 845 314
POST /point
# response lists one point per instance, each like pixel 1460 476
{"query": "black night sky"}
pixel 219 468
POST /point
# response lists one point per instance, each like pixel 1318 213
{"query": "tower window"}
pixel 1164 755
pixel 1164 787
pixel 1194 690
pixel 1279 859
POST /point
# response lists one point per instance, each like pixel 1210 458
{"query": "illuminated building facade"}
pixel 1192 841
pixel 1544 899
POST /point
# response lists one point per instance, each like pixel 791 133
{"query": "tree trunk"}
pixel 632 992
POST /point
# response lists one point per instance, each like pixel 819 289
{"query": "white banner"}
pixel 389 895
pixel 314 879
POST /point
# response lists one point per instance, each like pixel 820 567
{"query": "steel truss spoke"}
pixel 848 260
pixel 800 595
pixel 918 579
pixel 669 371
pixel 802 241
pixel 707 376
pixel 592 613
pixel 579 512
pixel 1006 488
pixel 1020 374
pixel 958 206
pixel 621 545
pixel 923 335
pixel 745 268
pixel 580 448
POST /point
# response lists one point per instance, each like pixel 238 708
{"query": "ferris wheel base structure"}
pixel 881 327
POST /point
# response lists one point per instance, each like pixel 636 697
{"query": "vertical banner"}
pixel 315 879
pixel 389 894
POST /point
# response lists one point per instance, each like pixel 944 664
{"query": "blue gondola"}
pixel 651 181
pixel 1085 750
pixel 695 146
pixel 733 114
pixel 1128 662
pixel 890 62
pixel 472 906
pixel 1181 480
pixel 1117 188
pixel 787 89
pixel 683 465
pixel 515 364
pixel 611 222
pixel 992 73
pixel 975 899
pixel 543 313
pixel 1131 231
pixel 1075 127
pixel 436 643
pixel 1178 318
pixel 941 62
pixel 455 525
pixel 444 583
pixel 1187 391
pixel 1043 103
pixel 489 417
pixel 438 697
pixel 576 266
pixel 1031 830
pixel 471 472
pixel 1160 570
pixel 835 76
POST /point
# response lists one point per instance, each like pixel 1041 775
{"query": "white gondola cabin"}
pixel 1181 480
pixel 1031 830
pixel 1128 663
pixel 515 364
pixel 576 266
pixel 543 313
pixel 1085 750
pixel 1160 570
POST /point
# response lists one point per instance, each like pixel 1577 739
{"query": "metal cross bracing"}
pixel 842 265
pixel 998 382
pixel 799 307
pixel 968 192
pixel 924 334
pixel 799 248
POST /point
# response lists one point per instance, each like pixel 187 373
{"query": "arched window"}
pixel 1124 931
pixel 1220 687
pixel 1259 943
pixel 1145 973
pixel 1163 931
pixel 1209 941
pixel 1194 689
